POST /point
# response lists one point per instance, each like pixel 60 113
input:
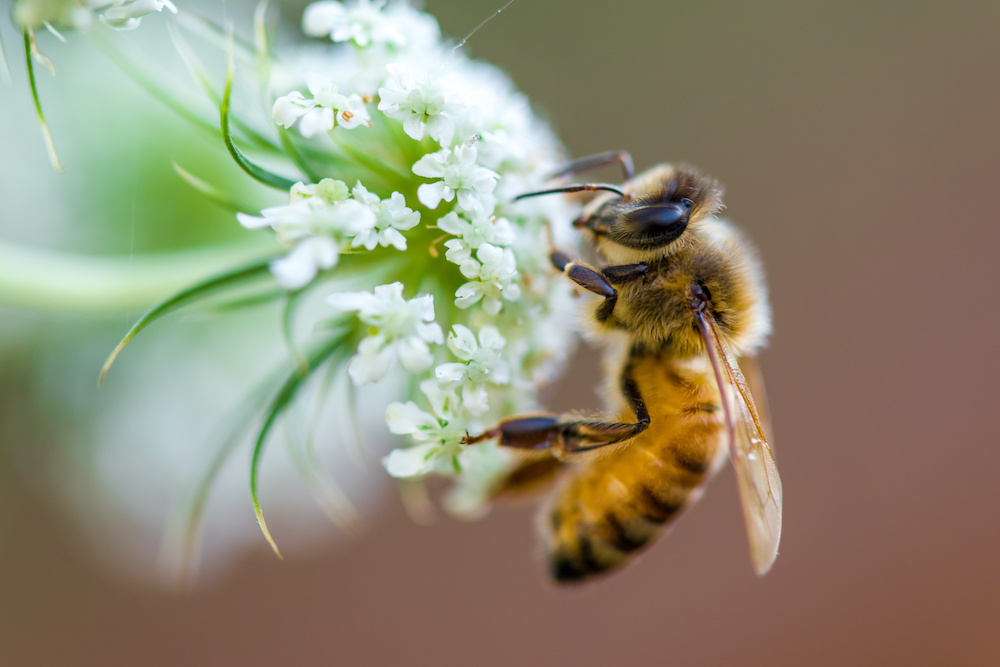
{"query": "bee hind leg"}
pixel 570 436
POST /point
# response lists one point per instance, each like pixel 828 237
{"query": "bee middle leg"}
pixel 599 282
pixel 570 436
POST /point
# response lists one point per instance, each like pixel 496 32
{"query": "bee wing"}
pixel 756 473
pixel 755 380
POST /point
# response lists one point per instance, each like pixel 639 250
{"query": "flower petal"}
pixel 412 461
pixel 408 419
pixel 414 354
pixel 431 194
pixel 451 372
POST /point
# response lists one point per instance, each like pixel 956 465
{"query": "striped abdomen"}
pixel 612 506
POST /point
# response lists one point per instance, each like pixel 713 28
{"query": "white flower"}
pixel 459 175
pixel 483 229
pixel 391 217
pixel 362 22
pixel 126 16
pixel 312 213
pixel 413 461
pixel 421 101
pixel 482 357
pixel 491 277
pixel 438 433
pixel 316 222
pixel 400 329
pixel 327 108
pixel 311 255
pixel 482 364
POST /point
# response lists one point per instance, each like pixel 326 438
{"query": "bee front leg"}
pixel 599 282
pixel 569 436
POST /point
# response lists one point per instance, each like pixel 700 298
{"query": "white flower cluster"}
pixel 399 328
pixel 438 146
pixel 327 108
pixel 80 14
pixel 322 220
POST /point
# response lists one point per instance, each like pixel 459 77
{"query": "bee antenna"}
pixel 589 187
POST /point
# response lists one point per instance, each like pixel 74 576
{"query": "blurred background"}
pixel 858 145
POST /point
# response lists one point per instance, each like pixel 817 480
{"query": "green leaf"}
pixel 262 49
pixel 293 152
pixel 259 173
pixel 282 399
pixel 202 289
pixel 246 301
pixel 200 73
pixel 288 329
pixel 29 49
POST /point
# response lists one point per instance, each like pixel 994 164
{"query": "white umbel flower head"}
pixel 400 330
pixel 436 147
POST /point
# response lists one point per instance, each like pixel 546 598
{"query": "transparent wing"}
pixel 755 380
pixel 756 473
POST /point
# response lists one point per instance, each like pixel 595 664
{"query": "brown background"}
pixel 859 147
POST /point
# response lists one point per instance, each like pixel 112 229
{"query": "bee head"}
pixel 658 207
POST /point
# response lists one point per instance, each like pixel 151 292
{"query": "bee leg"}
pixel 589 279
pixel 583 436
pixel 539 432
pixel 536 432
pixel 625 273
pixel 599 282
pixel 600 160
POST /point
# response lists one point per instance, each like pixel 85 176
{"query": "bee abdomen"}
pixel 586 556
pixel 598 521
pixel 580 549
pixel 625 536
pixel 600 547
pixel 657 506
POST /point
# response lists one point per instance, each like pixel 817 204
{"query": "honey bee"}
pixel 680 304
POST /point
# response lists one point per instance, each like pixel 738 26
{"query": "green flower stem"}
pixel 49 281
